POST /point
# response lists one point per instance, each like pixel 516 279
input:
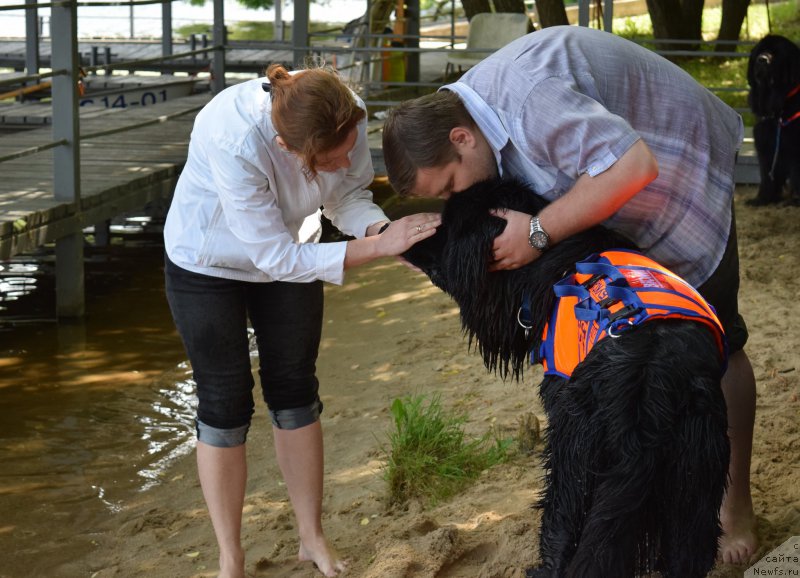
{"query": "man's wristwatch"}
pixel 539 239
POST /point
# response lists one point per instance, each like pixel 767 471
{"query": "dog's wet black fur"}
pixel 637 448
pixel 773 72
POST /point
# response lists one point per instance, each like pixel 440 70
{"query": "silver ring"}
pixel 419 228
pixel 610 328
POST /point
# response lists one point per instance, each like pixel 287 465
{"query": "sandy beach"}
pixel 389 333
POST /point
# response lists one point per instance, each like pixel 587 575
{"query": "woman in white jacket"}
pixel 240 236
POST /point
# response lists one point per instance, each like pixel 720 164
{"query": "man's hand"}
pixel 511 249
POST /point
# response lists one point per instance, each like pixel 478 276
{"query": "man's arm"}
pixel 590 201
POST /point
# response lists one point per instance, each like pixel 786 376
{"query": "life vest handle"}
pixel 598 268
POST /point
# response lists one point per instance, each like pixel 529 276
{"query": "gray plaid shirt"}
pixel 568 100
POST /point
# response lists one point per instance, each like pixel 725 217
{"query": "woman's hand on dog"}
pixel 511 249
pixel 400 235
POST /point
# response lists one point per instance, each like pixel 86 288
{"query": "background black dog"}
pixel 637 448
pixel 773 73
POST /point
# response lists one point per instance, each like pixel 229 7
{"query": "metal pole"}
pixel 608 15
pixel 583 12
pixel 218 58
pixel 193 46
pixel 300 32
pixel 31 38
pixel 132 35
pixel 94 59
pixel 412 61
pixel 277 33
pixel 452 23
pixel 70 298
pixel 166 31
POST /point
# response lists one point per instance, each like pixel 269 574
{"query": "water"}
pixel 93 413
pixel 115 21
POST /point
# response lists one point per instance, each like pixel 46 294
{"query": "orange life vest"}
pixel 612 292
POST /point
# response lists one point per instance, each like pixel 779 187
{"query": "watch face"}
pixel 539 239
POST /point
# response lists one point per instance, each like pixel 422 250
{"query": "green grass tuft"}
pixel 429 455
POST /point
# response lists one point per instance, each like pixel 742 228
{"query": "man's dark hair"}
pixel 416 135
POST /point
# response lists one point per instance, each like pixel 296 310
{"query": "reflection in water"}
pixel 166 443
pixel 93 413
pixel 20 278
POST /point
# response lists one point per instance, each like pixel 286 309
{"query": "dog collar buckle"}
pixel 525 324
pixel 524 318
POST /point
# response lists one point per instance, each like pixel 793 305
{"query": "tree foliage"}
pixel 251 4
pixel 672 19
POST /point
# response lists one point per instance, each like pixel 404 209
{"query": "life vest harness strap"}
pixel 621 303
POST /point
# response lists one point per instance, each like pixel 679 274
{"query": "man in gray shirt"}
pixel 611 133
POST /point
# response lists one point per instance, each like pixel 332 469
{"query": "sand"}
pixel 389 333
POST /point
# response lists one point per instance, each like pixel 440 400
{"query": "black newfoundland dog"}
pixel 773 73
pixel 637 448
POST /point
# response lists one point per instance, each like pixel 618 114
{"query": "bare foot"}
pixel 327 559
pixel 739 540
pixel 233 566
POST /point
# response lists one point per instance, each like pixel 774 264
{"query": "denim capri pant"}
pixel 211 315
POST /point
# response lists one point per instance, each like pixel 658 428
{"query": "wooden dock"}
pixel 119 172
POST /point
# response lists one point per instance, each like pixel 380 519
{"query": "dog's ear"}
pixel 785 65
pixel 471 230
pixel 469 249
pixel 427 255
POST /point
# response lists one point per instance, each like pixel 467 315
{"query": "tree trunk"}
pixel 473 7
pixel 516 6
pixel 733 14
pixel 667 19
pixel 692 21
pixel 509 6
pixel 551 13
pixel 380 14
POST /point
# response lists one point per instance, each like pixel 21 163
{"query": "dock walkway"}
pixel 119 172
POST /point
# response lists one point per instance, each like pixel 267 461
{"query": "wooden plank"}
pixel 119 172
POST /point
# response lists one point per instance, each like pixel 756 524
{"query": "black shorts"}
pixel 722 291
